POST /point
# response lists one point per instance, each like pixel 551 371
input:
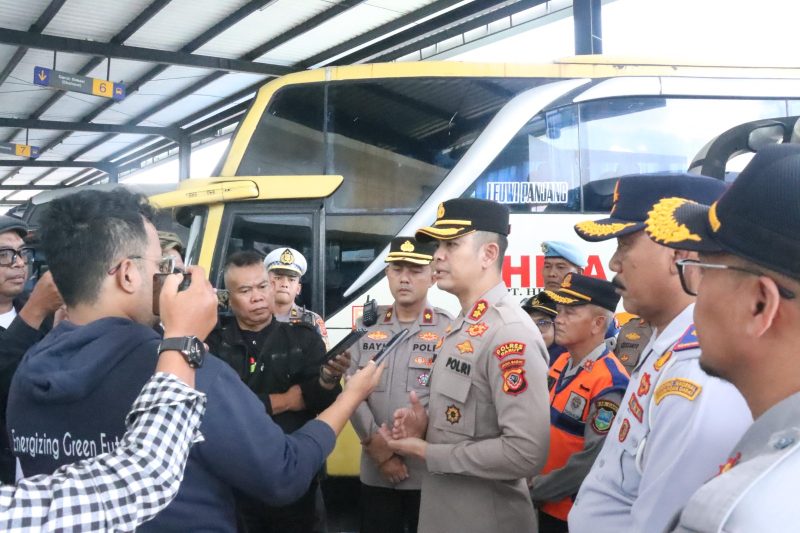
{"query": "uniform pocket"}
pixel 419 371
pixel 458 413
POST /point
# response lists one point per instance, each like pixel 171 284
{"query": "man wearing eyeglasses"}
pixel 586 385
pixel 542 310
pixel 675 424
pixel 747 282
pixel 71 392
pixel 22 323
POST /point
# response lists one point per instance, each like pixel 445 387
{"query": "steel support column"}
pixel 588 27
pixel 184 157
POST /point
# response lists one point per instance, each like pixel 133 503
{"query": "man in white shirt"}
pixel 676 424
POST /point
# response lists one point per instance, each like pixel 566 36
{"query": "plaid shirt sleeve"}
pixel 120 490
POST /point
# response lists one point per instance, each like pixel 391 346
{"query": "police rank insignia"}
pixel 623 430
pixel 427 316
pixel 644 385
pixel 604 416
pixel 477 330
pixel 428 336
pixel 452 414
pixel 377 335
pixel 465 347
pixel 423 379
pixel 388 316
pixel 478 310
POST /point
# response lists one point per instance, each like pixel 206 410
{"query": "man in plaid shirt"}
pixel 120 490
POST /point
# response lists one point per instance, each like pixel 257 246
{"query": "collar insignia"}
pixel 478 309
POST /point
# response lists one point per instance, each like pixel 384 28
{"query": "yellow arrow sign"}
pixel 23 150
pixel 42 75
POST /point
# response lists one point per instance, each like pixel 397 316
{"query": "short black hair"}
pixel 83 233
pixel 242 258
pixel 485 237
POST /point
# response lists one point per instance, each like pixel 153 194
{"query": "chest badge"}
pixel 423 379
pixel 644 385
pixel 633 336
pixel 428 336
pixel 661 361
pixel 378 335
pixel 623 430
pixel 477 330
pixel 465 347
pixel 452 414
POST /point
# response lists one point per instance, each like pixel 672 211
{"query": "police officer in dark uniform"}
pixel 283 363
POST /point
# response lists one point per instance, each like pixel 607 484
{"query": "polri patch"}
pixel 423 379
pixel 514 381
pixel 685 388
pixel 604 416
pixel 477 330
pixel 465 347
pixel 452 414
pixel 509 348
pixel 478 310
pixel 575 406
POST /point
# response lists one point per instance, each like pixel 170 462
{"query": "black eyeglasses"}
pixel 690 288
pixel 8 256
pixel 543 323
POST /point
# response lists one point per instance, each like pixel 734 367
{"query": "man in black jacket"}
pixel 283 363
pixel 24 319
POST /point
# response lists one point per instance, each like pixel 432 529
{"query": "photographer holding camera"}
pixel 71 393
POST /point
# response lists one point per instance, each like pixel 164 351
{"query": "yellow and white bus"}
pixel 335 162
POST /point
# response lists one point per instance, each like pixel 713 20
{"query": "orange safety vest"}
pixel 570 399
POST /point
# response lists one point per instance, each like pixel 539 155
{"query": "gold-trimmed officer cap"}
pixel 577 289
pixel 635 195
pixel 462 216
pixel 541 302
pixel 287 259
pixel 409 250
pixel 758 217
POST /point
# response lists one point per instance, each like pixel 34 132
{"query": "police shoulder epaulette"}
pixel 687 341
pixel 427 316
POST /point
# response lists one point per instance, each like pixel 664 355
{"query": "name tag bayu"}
pixel 679 387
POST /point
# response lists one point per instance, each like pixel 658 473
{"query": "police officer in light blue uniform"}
pixel 676 424
pixel 748 318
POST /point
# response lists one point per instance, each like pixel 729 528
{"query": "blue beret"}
pixel 568 251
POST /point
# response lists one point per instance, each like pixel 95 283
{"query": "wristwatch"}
pixel 192 348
